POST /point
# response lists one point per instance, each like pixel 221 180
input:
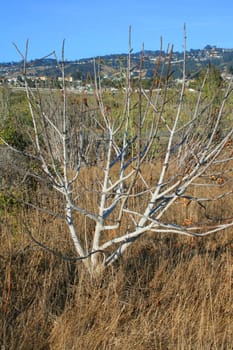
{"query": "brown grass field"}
pixel 167 292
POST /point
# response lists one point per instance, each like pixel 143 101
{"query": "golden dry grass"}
pixel 167 292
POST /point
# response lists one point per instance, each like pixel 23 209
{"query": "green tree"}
pixel 213 81
pixel 15 118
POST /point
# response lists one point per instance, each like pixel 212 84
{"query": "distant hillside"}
pixel 110 65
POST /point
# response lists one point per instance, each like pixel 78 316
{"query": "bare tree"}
pixel 186 147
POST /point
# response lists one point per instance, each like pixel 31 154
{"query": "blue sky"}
pixel 93 28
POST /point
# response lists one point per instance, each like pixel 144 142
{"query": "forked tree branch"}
pixel 185 150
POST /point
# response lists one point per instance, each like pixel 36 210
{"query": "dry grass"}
pixel 167 295
pixel 168 292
